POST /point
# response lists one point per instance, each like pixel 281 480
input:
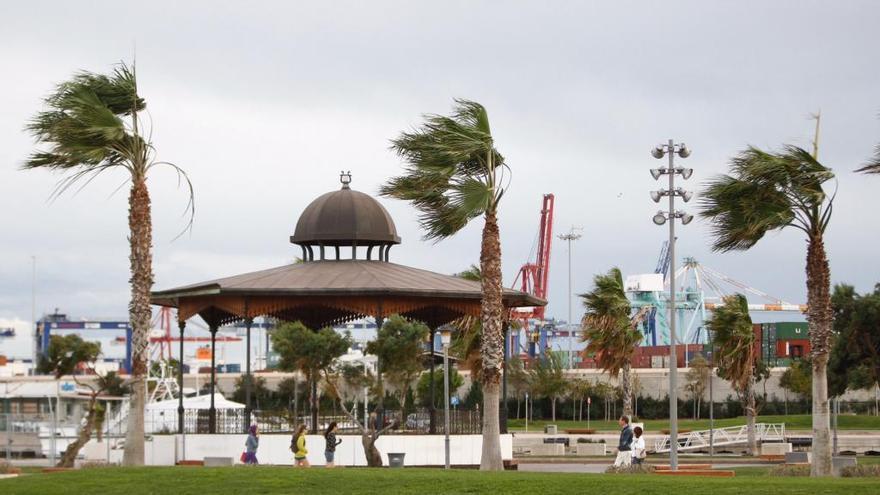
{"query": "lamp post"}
pixel 445 338
pixel 570 236
pixel 670 149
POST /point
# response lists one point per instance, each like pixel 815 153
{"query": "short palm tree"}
pixel 453 175
pixel 769 192
pixel 610 332
pixel 91 125
pixel 734 342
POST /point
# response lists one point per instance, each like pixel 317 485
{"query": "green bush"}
pixel 861 471
pixel 631 469
pixel 590 440
pixel 783 470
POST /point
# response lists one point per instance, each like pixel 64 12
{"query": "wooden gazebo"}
pixel 345 238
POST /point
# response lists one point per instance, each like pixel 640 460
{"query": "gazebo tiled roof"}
pixel 321 292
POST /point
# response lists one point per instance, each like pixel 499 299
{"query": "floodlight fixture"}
pixel 683 150
pixel 658 152
pixel 659 218
pixel 685 218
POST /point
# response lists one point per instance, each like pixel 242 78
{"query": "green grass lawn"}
pixel 200 481
pixel 794 422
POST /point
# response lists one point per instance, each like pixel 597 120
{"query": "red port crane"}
pixel 532 277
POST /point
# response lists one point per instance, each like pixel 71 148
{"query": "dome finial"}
pixel 345 178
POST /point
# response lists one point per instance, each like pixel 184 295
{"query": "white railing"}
pixel 731 435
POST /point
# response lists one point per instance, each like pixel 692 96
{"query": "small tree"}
pixel 548 380
pixel 399 345
pixel 798 378
pixel 309 352
pixel 371 431
pixel 261 394
pixel 65 356
pixel 855 357
pixel 734 338
pixel 517 380
pixel 697 381
pixel 423 387
pixel 580 389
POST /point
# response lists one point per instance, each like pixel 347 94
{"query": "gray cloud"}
pixel 263 106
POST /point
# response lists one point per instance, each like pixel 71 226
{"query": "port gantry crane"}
pixel 533 276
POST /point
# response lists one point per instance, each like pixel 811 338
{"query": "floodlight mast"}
pixel 670 148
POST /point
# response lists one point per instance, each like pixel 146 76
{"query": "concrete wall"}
pixel 420 450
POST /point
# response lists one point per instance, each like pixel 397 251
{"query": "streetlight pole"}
pixel 671 149
pixel 445 337
pixel 570 236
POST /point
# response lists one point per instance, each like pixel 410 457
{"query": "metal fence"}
pixel 235 421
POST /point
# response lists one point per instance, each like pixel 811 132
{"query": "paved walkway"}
pixel 600 468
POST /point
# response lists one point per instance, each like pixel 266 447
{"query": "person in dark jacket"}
pixel 251 445
pixel 331 443
pixel 624 445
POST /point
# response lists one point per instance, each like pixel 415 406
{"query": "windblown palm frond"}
pixel 765 192
pixel 734 340
pixel 608 329
pixel 451 165
pixel 873 166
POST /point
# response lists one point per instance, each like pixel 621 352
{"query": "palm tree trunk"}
pixel 819 317
pixel 492 344
pixel 141 263
pixel 750 417
pixel 553 408
pixel 626 389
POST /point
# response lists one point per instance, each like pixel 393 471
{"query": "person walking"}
pixel 624 445
pixel 298 446
pixel 638 446
pixel 251 445
pixel 331 443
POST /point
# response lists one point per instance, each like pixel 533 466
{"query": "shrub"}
pixel 590 440
pixel 861 471
pixel 94 464
pixel 631 469
pixel 783 470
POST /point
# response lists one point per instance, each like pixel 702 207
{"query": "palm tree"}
pixel 91 126
pixel 734 340
pixel 770 192
pixel 609 331
pixel 453 175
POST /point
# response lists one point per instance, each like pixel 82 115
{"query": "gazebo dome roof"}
pixel 345 218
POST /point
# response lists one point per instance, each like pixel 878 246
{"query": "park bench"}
pixel 580 431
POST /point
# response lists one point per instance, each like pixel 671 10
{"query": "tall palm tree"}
pixel 734 340
pixel 91 125
pixel 453 175
pixel 769 192
pixel 609 331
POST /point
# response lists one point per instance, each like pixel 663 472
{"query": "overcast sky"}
pixel 263 105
